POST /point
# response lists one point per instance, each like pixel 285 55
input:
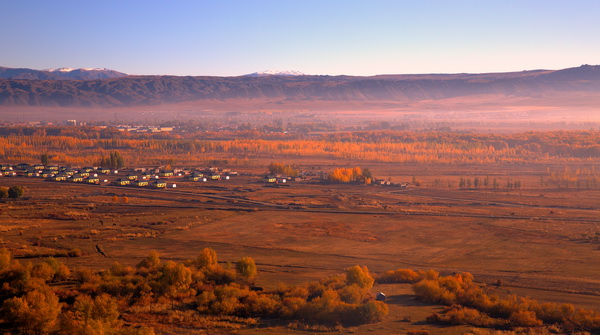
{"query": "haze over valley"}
pixel 567 97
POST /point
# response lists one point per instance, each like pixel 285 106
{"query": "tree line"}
pixel 74 146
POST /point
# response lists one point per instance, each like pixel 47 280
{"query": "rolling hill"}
pixel 44 90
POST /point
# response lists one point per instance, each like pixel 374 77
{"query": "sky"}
pixel 321 37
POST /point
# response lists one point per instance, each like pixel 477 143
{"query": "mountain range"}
pixel 59 74
pixel 107 88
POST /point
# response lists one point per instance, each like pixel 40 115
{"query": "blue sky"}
pixel 235 37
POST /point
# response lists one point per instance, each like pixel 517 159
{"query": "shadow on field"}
pixel 403 299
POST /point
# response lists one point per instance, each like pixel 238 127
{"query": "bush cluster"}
pixel 471 304
pixel 13 192
pixel 218 290
pixel 30 303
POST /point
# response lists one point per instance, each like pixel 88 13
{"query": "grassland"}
pixel 538 242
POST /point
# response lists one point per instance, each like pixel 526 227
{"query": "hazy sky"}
pixel 235 37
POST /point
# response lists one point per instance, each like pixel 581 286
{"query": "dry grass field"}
pixel 537 242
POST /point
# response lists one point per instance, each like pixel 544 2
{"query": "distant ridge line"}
pixel 125 90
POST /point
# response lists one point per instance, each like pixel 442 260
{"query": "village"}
pixel 162 177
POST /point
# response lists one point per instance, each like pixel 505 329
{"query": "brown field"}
pixel 538 242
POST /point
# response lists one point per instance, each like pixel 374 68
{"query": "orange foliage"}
pixel 77 146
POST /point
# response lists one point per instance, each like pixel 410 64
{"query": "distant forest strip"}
pixel 86 145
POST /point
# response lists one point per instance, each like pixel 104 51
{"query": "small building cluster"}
pixel 135 177
pixel 211 173
pixel 278 179
pixel 90 175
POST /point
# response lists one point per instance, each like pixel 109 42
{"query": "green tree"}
pixel 366 173
pixel 246 268
pixel 113 161
pixel 16 191
pixel 284 169
pixel 45 159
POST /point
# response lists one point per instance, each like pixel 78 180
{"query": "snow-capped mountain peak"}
pixel 62 69
pixel 289 73
pixel 70 69
pixel 63 73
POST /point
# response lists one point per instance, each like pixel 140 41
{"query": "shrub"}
pixel 372 311
pixel 324 309
pixel 523 318
pixel 503 308
pixel 43 271
pixel 553 313
pixel 60 269
pixel 291 305
pixel 151 262
pixel 360 276
pixel 219 276
pixel 431 291
pixel 399 276
pixel 74 253
pixel 227 300
pixel 16 191
pixel 5 259
pixel 429 274
pixel 206 258
pixel 246 268
pixel 459 315
pixel 352 294
pixel 204 300
pixel 118 269
pixel 172 278
pixel 261 305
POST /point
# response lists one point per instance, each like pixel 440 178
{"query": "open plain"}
pixel 537 242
